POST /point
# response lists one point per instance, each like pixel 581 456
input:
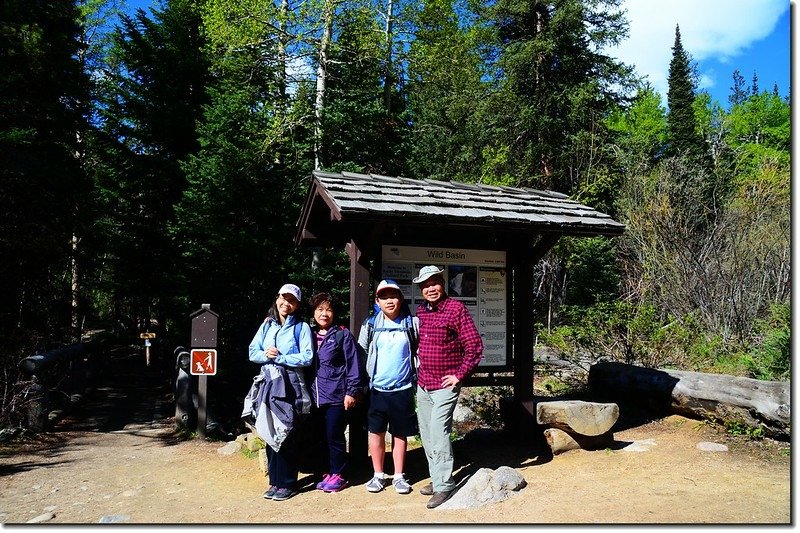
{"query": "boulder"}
pixel 484 487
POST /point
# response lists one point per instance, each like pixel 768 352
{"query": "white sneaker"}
pixel 401 485
pixel 375 484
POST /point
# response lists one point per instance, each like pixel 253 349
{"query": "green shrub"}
pixel 770 358
pixel 556 338
pixel 638 334
pixel 736 427
pixel 624 332
pixel 555 386
pixel 731 360
pixel 705 353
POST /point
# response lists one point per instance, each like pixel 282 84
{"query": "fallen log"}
pixel 756 403
pixel 561 441
pixel 576 416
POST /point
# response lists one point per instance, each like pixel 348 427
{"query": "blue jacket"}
pixel 293 339
pixel 278 398
pixel 336 368
pixel 279 402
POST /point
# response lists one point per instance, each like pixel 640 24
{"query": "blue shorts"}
pixel 393 409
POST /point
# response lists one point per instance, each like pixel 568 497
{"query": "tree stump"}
pixel 756 403
pixel 575 424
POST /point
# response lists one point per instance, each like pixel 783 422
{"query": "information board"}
pixel 477 278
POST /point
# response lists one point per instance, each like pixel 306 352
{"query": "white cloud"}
pixel 719 29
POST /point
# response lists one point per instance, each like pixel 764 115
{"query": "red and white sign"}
pixel 204 362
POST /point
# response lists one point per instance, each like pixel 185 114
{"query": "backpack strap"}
pixel 370 323
pixel 413 343
pixel 296 336
pixel 339 336
pixel 412 330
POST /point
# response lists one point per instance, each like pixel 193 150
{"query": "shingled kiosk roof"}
pixel 347 199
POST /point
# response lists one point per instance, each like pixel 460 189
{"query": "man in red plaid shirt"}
pixel 450 349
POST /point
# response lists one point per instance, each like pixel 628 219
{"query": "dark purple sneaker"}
pixel 335 483
pixel 283 494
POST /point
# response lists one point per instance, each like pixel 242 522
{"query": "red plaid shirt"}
pixel 449 342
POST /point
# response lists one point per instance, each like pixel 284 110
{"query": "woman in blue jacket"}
pixel 285 341
pixel 336 386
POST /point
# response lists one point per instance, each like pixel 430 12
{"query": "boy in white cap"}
pixel 389 338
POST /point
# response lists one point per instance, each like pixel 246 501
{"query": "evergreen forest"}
pixel 157 159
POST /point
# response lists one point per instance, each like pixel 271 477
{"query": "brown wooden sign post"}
pixel 147 335
pixel 203 358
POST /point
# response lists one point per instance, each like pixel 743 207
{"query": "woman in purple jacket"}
pixel 336 385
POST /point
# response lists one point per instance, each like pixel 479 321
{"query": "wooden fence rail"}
pixel 57 379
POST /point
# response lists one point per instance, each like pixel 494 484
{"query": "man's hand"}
pixel 271 352
pixel 449 381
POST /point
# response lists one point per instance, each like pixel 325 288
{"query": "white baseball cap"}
pixel 387 284
pixel 294 290
pixel 426 272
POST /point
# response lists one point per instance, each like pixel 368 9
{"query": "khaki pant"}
pixel 435 415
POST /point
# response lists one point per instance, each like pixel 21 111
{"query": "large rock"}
pixel 230 448
pixel 486 486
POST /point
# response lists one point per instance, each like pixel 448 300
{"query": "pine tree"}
pixel 686 146
pixel 738 93
pixel 155 93
pixel 559 86
pixel 446 97
pixel 359 132
pixel 681 121
pixel 246 183
pixel 44 95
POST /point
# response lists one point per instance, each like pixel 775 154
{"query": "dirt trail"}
pixel 123 464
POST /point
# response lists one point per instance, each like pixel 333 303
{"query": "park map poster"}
pixel 477 278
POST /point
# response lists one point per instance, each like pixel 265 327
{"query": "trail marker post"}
pixel 147 335
pixel 203 358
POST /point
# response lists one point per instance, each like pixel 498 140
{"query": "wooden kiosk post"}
pixel 359 308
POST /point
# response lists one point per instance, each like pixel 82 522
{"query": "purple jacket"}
pixel 336 368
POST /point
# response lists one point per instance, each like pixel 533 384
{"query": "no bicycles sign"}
pixel 204 362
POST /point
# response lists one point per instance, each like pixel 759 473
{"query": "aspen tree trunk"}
pixel 546 165
pixel 75 291
pixel 283 45
pixel 388 76
pixel 282 52
pixel 322 72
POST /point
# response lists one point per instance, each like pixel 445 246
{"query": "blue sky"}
pixel 720 35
